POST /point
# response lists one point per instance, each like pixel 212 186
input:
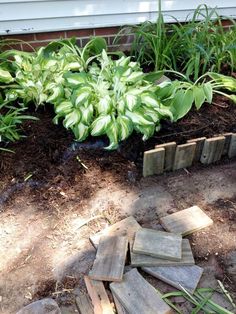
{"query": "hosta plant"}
pixel 114 98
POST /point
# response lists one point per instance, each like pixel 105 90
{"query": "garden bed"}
pixel 51 185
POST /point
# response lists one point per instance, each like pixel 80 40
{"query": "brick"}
pixel 11 46
pixel 35 44
pixel 106 31
pixel 24 37
pixel 80 33
pixel 50 35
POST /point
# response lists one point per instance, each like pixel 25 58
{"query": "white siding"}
pixel 30 16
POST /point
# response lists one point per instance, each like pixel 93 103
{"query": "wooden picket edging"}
pixel 171 157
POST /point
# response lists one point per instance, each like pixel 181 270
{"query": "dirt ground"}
pixel 55 193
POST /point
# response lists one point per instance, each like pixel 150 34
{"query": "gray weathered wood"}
pixel 187 259
pixel 119 307
pixel 84 304
pixel 186 221
pixel 199 146
pixel 227 142
pixel 232 146
pixel 153 162
pixel 177 276
pixel 110 259
pixel 127 226
pixel 158 244
pixel 184 155
pixel 212 149
pixel 138 296
pixel 99 297
pixel 169 154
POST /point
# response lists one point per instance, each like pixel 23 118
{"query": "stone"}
pixel 44 306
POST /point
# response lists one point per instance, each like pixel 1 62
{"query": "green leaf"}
pixel 232 97
pixel 207 87
pixel 147 130
pixel 81 95
pixel 5 76
pixel 131 101
pixel 87 113
pixel 134 77
pixel 165 112
pixel 149 99
pixel 137 118
pixel 224 81
pixel 153 76
pixel 75 79
pixel 182 103
pixel 100 125
pixel 125 127
pixel 113 133
pixel 81 131
pixel 57 93
pixel 72 118
pixel 104 105
pixel 199 96
pixel 64 107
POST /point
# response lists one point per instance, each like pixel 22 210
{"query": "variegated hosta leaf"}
pixel 81 131
pixel 134 77
pixel 131 101
pixel 64 107
pixel 104 105
pixel 137 118
pixel 81 95
pixel 150 100
pixel 165 112
pixel 5 76
pixel 72 118
pixel 123 61
pixel 121 106
pixel 152 114
pixel 147 130
pixel 113 135
pixel 125 127
pixel 75 79
pixel 87 113
pixel 56 95
pixel 100 125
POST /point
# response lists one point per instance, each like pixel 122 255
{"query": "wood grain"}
pixel 212 150
pixel 98 296
pixel 186 221
pixel 177 276
pixel 227 142
pixel 138 296
pixel 119 307
pixel 110 259
pixel 199 146
pixel 158 244
pixel 153 162
pixel 84 304
pixel 232 146
pixel 127 226
pixel 184 156
pixel 169 154
pixel 139 260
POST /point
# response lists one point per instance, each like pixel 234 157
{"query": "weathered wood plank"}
pixel 232 146
pixel 186 221
pixel 127 226
pixel 84 304
pixel 119 307
pixel 153 162
pixel 199 146
pixel 138 296
pixel 212 149
pixel 99 297
pixel 169 154
pixel 110 259
pixel 184 156
pixel 158 244
pixel 177 276
pixel 227 142
pixel 139 260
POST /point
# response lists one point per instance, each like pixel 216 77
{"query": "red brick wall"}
pixel 27 41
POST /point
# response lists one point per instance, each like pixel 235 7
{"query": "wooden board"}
pixel 139 260
pixel 186 221
pixel 199 146
pixel 126 227
pixel 84 304
pixel 184 156
pixel 119 307
pixel 158 244
pixel 169 154
pixel 138 296
pixel 153 162
pixel 110 259
pixel 227 142
pixel 99 297
pixel 212 150
pixel 232 146
pixel 177 276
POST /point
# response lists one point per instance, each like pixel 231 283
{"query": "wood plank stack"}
pixel 163 254
pixel 171 157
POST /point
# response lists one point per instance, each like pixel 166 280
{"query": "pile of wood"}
pixel 171 157
pixel 163 254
